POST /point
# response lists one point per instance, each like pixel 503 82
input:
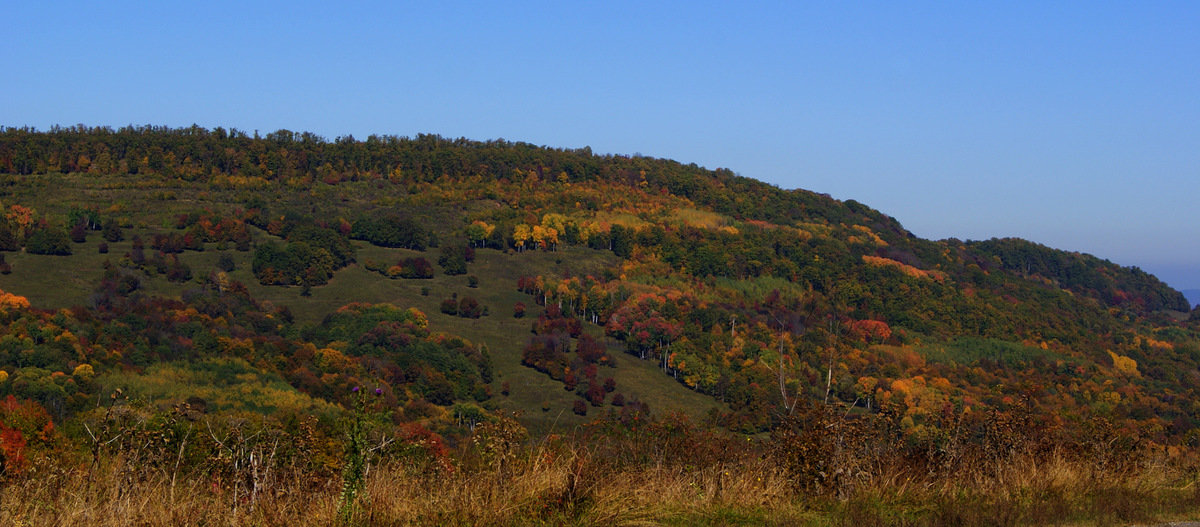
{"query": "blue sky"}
pixel 1072 124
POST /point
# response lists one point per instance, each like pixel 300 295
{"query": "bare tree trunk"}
pixel 829 377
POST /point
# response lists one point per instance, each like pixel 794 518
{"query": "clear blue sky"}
pixel 1076 125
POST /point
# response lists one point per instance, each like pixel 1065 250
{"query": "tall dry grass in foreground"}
pixel 818 468
pixel 544 486
pixel 563 484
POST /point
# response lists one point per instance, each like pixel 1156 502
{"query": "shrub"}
pixel 137 253
pixel 170 243
pixel 453 260
pixel 595 394
pixel 25 425
pixel 450 306
pixel 78 233
pixel 391 231
pixel 177 271
pixel 112 232
pixel 590 350
pixel 468 307
pixel 8 237
pixel 542 353
pixel 225 262
pixel 48 241
pixel 412 268
pixel 295 263
pixel 242 243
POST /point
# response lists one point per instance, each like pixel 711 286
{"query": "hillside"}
pixel 273 275
pixel 722 248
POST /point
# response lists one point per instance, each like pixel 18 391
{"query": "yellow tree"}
pixel 546 238
pixel 557 222
pixel 521 235
pixel 478 232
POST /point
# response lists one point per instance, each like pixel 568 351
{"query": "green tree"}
pixel 621 241
pixel 112 231
pixel 8 236
pixel 48 240
pixel 453 260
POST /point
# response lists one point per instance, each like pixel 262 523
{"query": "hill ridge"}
pixel 722 284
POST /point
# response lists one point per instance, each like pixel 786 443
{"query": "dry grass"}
pixel 633 471
pixel 570 484
pixel 546 486
pixel 1056 490
pixel 566 486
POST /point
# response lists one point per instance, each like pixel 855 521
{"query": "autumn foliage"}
pixel 886 370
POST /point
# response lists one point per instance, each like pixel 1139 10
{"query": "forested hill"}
pixel 233 157
pixel 713 284
pixel 199 154
pixel 1084 274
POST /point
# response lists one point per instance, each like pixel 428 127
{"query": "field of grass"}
pixel 567 483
